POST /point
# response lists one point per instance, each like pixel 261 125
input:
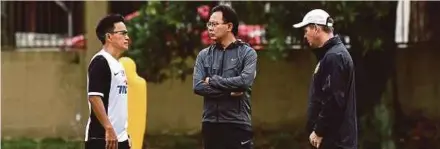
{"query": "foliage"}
pixel 167 35
pixel 166 39
pixel 350 20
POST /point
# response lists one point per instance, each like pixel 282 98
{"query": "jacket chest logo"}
pixel 316 68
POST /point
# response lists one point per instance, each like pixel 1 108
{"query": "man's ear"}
pixel 107 35
pixel 230 26
pixel 316 28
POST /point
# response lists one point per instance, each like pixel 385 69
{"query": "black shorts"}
pixel 100 144
pixel 226 136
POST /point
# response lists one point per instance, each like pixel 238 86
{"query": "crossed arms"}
pixel 216 86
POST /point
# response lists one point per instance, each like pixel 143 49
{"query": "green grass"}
pixel 47 143
pixel 22 143
pixel 262 140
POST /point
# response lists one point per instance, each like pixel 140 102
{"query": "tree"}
pixel 370 27
pixel 167 39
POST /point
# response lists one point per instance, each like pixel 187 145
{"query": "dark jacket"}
pixel 229 70
pixel 332 97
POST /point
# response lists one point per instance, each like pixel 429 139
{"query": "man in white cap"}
pixel 332 120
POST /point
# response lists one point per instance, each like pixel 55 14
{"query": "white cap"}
pixel 316 16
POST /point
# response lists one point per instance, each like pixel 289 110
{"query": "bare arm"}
pixel 99 79
pixel 99 110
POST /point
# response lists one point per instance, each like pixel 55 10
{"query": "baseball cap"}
pixel 316 16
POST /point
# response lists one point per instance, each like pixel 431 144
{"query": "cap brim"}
pixel 299 25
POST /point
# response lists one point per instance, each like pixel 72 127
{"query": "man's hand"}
pixel 315 140
pixel 111 141
pixel 206 81
pixel 236 93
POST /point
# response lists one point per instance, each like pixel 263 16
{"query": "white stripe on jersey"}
pixel 95 94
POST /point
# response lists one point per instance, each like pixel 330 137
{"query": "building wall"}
pixel 42 92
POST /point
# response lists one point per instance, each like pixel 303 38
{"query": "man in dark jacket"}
pixel 223 75
pixel 332 97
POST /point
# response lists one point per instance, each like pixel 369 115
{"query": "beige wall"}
pixel 41 94
pixel 279 96
pixel 43 91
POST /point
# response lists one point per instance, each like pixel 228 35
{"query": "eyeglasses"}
pixel 123 33
pixel 213 24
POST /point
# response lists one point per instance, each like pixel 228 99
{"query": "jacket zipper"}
pixel 221 73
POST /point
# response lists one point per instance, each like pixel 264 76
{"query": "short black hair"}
pixel 229 16
pixel 107 24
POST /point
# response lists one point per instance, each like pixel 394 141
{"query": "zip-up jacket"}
pixel 232 69
pixel 332 97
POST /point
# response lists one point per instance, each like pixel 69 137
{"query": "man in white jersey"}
pixel 107 88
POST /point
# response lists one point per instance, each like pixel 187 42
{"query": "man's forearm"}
pixel 204 89
pixel 233 84
pixel 241 82
pixel 99 110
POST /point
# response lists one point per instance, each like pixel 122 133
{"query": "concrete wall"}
pixel 43 91
pixel 279 96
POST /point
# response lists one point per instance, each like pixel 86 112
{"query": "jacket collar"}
pixel 233 45
pixel 320 52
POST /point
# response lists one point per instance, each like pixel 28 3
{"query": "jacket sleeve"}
pixel 199 74
pixel 333 84
pixel 241 82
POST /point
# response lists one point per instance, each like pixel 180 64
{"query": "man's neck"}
pixel 325 38
pixel 227 41
pixel 112 51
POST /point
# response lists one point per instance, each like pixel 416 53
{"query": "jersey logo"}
pixel 121 72
pixel 122 89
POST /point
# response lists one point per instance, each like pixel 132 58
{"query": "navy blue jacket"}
pixel 332 97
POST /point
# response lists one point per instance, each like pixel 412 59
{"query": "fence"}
pixel 40 24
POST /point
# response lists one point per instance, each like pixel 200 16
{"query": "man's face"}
pixel 118 38
pixel 311 35
pixel 217 28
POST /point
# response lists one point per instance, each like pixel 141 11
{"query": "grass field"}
pixel 49 143
pixel 262 141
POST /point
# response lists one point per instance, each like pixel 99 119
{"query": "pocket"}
pixel 239 105
pixel 235 103
pixel 231 69
pixel 209 108
pixel 228 109
pixel 210 69
pixel 207 70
